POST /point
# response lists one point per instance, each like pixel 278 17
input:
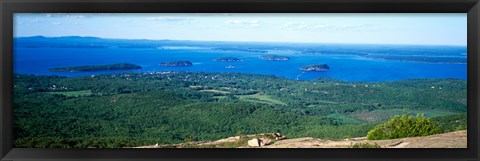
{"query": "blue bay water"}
pixel 38 61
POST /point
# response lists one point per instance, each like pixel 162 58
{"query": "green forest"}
pixel 136 109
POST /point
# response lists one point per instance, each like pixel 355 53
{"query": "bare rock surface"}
pixel 456 139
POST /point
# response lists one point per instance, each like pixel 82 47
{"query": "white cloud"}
pixel 56 23
pixel 173 19
pixel 66 15
pixel 252 23
pixel 305 26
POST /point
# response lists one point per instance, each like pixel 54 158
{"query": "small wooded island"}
pixel 274 57
pixel 177 64
pixel 316 68
pixel 90 68
pixel 228 59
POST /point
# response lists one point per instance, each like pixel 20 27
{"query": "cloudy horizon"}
pixel 419 29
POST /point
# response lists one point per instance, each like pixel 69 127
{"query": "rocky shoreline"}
pixel 316 68
pixel 177 64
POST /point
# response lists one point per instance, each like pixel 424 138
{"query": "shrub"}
pixel 365 145
pixel 406 125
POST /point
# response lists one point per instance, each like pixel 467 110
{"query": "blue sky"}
pixel 430 29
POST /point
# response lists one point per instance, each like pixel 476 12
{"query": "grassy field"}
pixel 74 93
pixel 195 87
pixel 256 98
pixel 215 91
pixel 260 98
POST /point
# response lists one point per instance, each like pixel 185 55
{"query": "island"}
pixel 274 57
pixel 177 64
pixel 228 59
pixel 241 50
pixel 90 68
pixel 316 68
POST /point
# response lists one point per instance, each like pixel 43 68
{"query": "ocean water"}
pixel 38 61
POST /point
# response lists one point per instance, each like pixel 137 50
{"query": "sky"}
pixel 358 28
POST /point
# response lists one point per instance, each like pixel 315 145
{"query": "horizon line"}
pixel 407 44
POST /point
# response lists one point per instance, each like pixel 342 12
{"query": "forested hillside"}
pixel 133 109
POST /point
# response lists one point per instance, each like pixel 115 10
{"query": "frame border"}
pixel 9 7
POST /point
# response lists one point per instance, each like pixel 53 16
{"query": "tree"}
pixel 407 125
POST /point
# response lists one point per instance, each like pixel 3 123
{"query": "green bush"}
pixel 403 126
pixel 365 145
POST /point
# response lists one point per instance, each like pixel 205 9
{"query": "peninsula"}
pixel 177 64
pixel 90 68
pixel 274 57
pixel 316 68
pixel 228 59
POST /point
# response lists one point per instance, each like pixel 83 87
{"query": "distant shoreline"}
pixel 371 58
pixel 240 73
pixel 229 41
pixel 423 62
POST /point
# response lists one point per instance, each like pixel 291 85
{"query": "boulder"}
pixel 265 141
pixel 279 136
pixel 254 142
